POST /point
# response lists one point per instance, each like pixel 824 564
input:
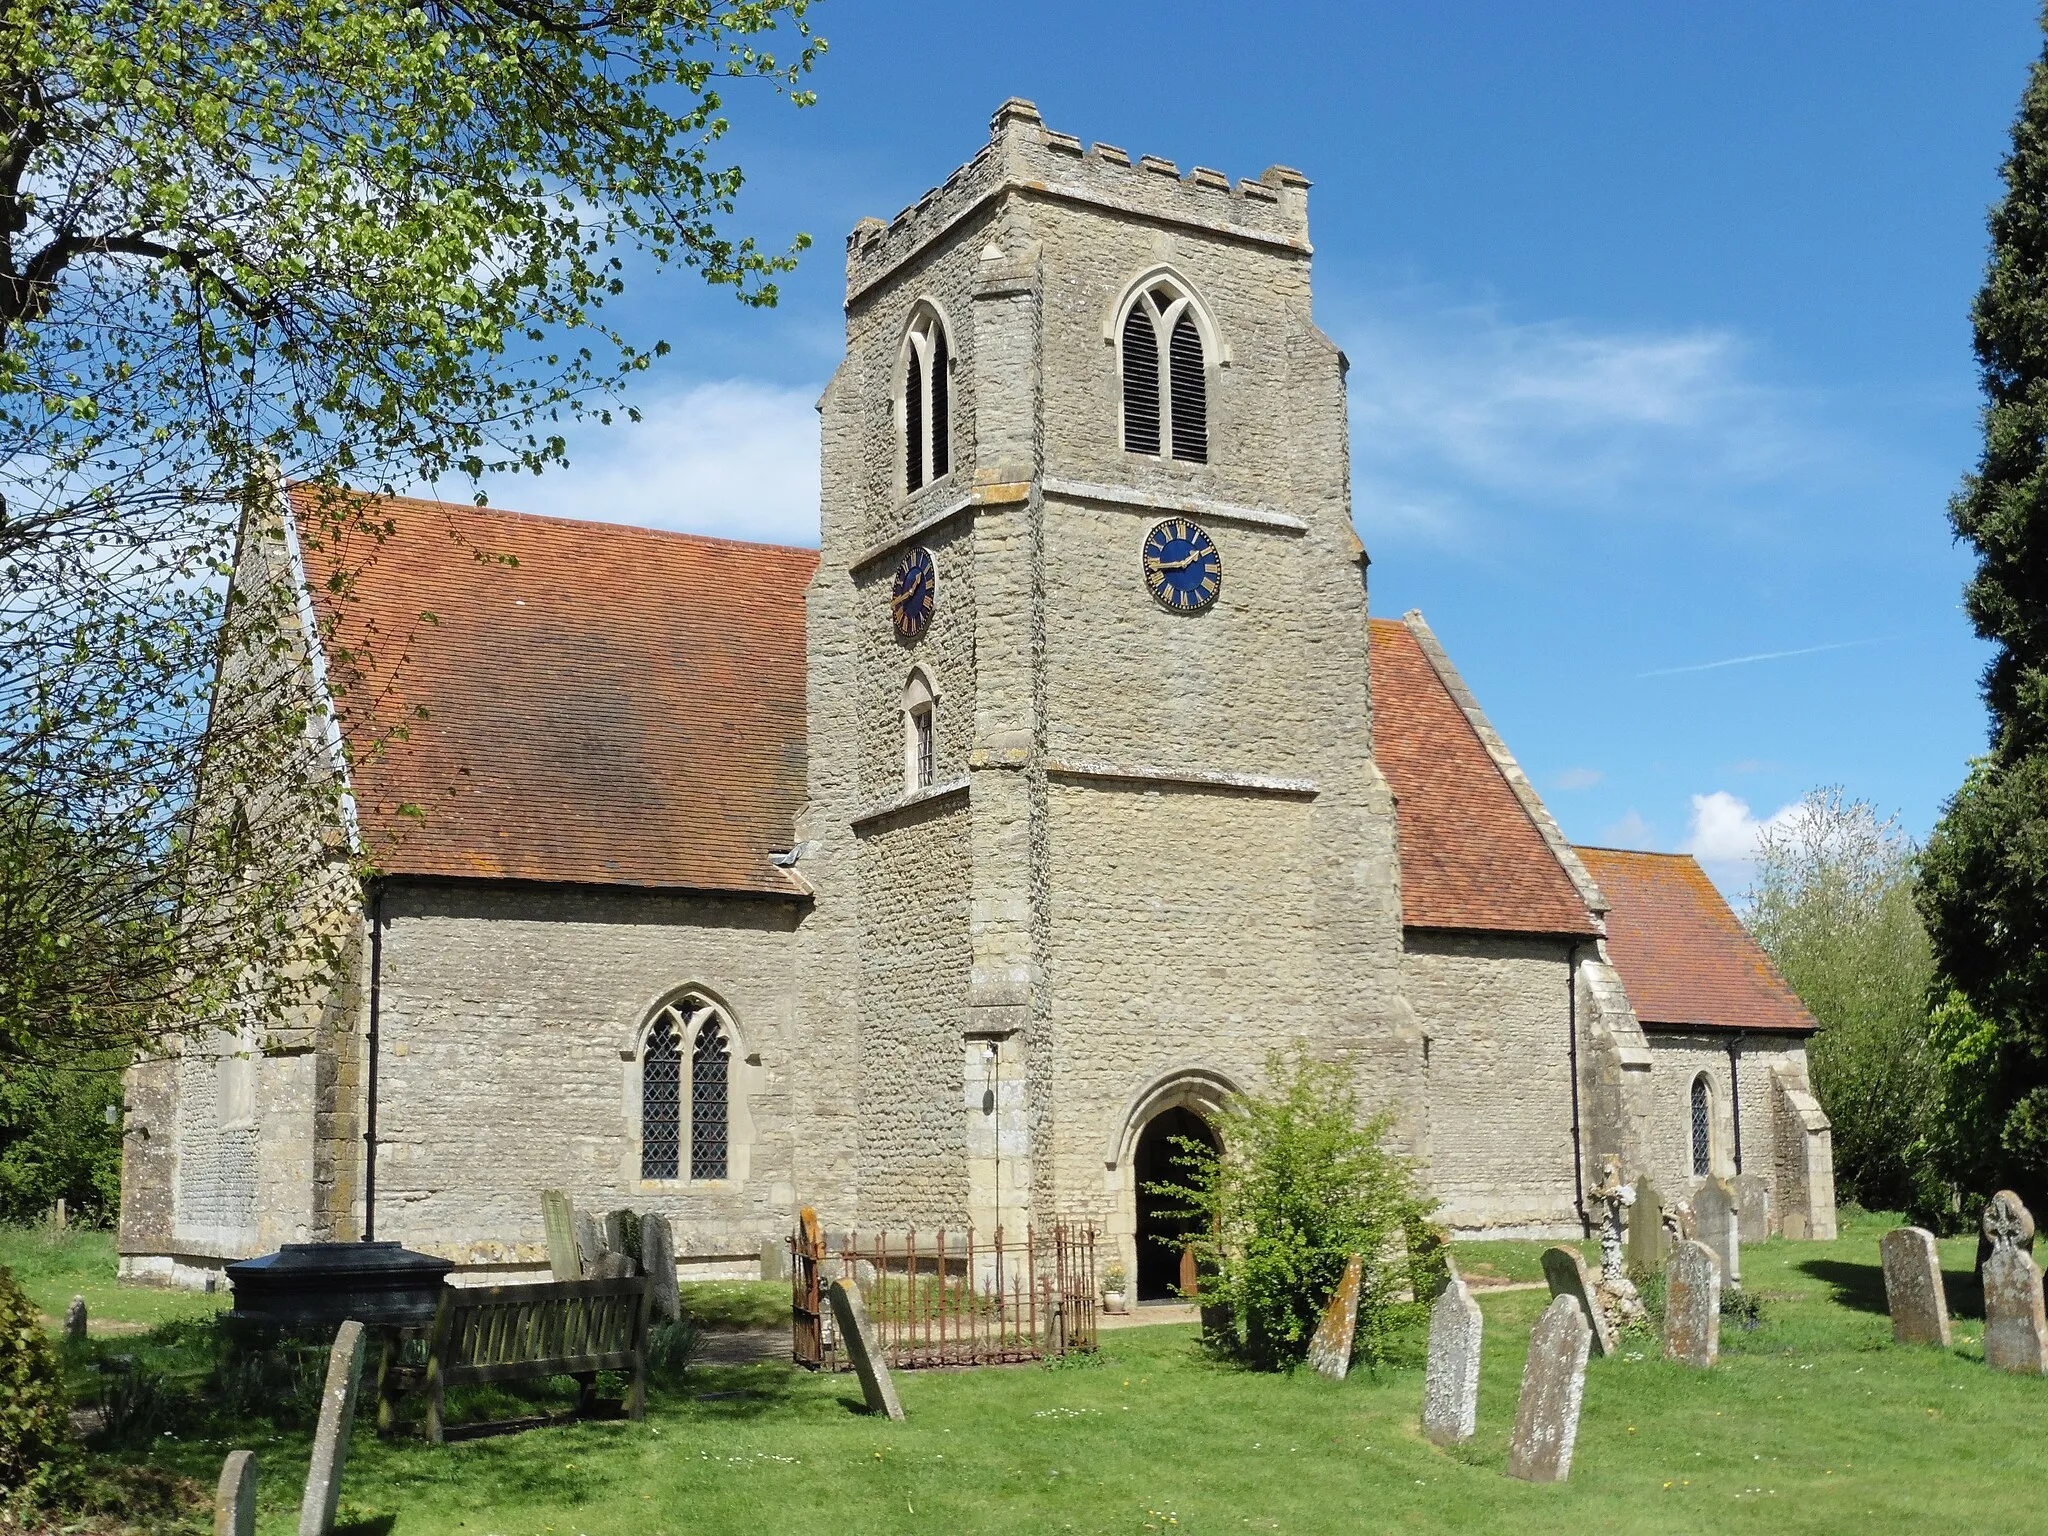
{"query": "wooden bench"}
pixel 521 1332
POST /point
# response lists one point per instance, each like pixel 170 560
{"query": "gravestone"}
pixel 1566 1272
pixel 74 1319
pixel 1553 1386
pixel 1330 1350
pixel 234 1498
pixel 1692 1305
pixel 590 1244
pixel 558 1216
pixel 618 1236
pixel 2006 1222
pixel 774 1258
pixel 1912 1286
pixel 1716 1209
pixel 330 1439
pixel 858 1340
pixel 613 1266
pixel 1649 1245
pixel 1753 1208
pixel 658 1258
pixel 1450 1389
pixel 2015 1331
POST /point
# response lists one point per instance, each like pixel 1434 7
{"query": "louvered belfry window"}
pixel 710 1109
pixel 661 1102
pixel 1702 1129
pixel 1141 381
pixel 1165 377
pixel 927 416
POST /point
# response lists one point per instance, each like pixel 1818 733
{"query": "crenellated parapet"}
pixel 1024 155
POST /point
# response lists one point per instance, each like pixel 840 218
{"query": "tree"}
pixel 1984 885
pixel 1305 1180
pixel 1833 907
pixel 360 243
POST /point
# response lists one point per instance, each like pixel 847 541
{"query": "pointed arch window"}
pixel 686 1093
pixel 661 1105
pixel 710 1106
pixel 1702 1127
pixel 920 728
pixel 1165 376
pixel 927 417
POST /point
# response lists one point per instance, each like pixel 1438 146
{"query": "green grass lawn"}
pixel 1813 1422
pixel 53 1266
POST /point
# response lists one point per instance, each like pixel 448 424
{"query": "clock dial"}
pixel 915 593
pixel 1183 567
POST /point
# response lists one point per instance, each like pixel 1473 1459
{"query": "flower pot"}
pixel 1115 1302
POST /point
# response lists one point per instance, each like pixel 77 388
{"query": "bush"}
pixel 36 1455
pixel 1304 1182
pixel 672 1348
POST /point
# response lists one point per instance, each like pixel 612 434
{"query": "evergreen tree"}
pixel 1984 880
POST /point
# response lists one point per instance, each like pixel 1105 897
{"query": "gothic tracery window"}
pixel 1702 1128
pixel 710 1109
pixel 1165 376
pixel 927 418
pixel 660 1101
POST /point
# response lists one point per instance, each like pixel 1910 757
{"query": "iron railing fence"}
pixel 950 1297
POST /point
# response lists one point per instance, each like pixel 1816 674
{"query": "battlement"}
pixel 1023 154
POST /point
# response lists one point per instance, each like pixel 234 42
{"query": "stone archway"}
pixel 1165 1271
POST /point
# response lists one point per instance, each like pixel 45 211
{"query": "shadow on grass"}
pixel 1861 1287
pixel 376 1525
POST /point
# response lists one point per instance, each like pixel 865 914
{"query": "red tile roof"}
pixel 1470 856
pixel 1682 954
pixel 602 704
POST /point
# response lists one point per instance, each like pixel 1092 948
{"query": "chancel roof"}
pixel 1472 857
pixel 1684 957
pixel 533 698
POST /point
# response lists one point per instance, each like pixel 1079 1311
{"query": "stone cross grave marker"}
pixel 1566 1272
pixel 330 1439
pixel 558 1216
pixel 1692 1305
pixel 658 1258
pixel 858 1340
pixel 1717 1210
pixel 1912 1286
pixel 74 1319
pixel 2015 1332
pixel 1450 1388
pixel 1752 1209
pixel 234 1498
pixel 1648 1243
pixel 1330 1350
pixel 1553 1386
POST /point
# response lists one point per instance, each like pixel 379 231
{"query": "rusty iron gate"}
pixel 949 1298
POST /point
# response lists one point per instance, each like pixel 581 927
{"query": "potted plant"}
pixel 1115 1299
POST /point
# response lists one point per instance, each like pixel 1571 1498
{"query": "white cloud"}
pixel 1723 830
pixel 1454 411
pixel 1629 832
pixel 1578 778
pixel 736 458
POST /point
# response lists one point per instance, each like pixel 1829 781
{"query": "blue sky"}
pixel 1658 322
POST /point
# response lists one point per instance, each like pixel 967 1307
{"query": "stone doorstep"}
pixel 1147 1314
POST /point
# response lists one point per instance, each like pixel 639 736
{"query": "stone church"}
pixel 941 874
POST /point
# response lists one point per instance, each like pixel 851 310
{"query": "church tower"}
pixel 1094 820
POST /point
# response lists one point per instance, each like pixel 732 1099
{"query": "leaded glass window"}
pixel 710 1117
pixel 1702 1129
pixel 661 1083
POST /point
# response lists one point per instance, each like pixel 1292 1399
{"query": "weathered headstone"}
pixel 1553 1386
pixel 658 1258
pixel 330 1439
pixel 1913 1290
pixel 1717 1209
pixel 774 1258
pixel 1752 1208
pixel 558 1216
pixel 590 1244
pixel 613 1266
pixel 74 1319
pixel 1692 1305
pixel 1566 1272
pixel 1450 1388
pixel 1330 1350
pixel 858 1340
pixel 1649 1245
pixel 2006 1222
pixel 618 1235
pixel 234 1499
pixel 2015 1331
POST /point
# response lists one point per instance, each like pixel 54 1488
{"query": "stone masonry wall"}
pixel 509 1023
pixel 1682 1057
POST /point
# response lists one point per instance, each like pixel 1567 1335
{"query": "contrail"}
pixel 1737 661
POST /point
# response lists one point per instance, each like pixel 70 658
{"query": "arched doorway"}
pixel 1164 1271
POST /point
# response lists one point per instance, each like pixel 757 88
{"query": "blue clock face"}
pixel 912 598
pixel 1183 567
